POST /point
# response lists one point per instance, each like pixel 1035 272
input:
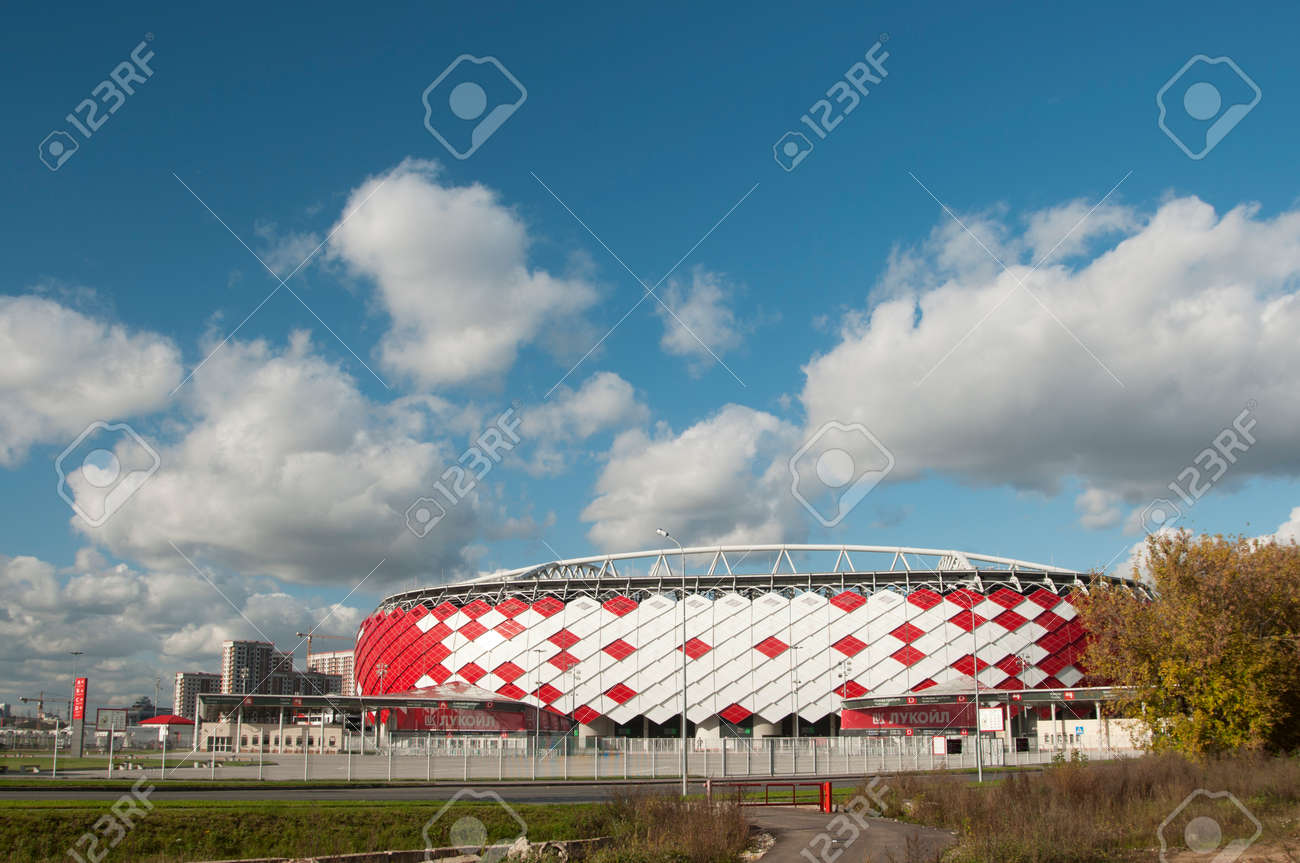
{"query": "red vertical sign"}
pixel 79 698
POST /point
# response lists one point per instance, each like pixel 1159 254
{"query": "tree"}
pixel 1213 654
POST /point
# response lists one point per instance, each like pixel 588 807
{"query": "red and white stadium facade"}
pixel 771 631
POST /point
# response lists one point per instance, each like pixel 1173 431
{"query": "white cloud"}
pixel 283 467
pixel 285 251
pixel 451 267
pixel 1064 231
pixel 605 401
pixel 60 370
pixel 724 479
pixel 1098 509
pixel 702 323
pixel 1194 312
pixel 1289 529
pixel 135 625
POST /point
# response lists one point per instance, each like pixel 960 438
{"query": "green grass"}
pixel 42 832
pixel 643 828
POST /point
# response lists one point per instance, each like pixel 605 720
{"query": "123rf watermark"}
pixel 1206 469
pixel 845 828
pixel 825 115
pixel 111 828
pixel 91 113
pixel 457 481
pixel 1208 822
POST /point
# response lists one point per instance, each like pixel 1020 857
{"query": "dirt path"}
pixel 881 842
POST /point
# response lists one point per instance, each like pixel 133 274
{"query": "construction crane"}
pixel 310 635
pixel 40 702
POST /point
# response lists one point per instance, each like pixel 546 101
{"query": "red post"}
pixel 826 797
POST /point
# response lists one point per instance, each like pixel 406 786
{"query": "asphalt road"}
pixel 570 792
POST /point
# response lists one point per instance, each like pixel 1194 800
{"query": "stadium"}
pixel 773 632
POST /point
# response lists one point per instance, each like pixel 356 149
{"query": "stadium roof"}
pixel 748 568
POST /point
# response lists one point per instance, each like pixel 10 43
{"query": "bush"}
pixel 667 829
pixel 1077 812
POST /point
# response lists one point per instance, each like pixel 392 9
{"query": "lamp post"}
pixel 381 668
pixel 794 687
pixel 666 535
pixel 537 708
pixel 844 673
pixel 975 676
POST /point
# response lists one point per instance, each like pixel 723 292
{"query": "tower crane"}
pixel 310 635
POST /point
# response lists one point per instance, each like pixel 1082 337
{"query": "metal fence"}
pixel 495 758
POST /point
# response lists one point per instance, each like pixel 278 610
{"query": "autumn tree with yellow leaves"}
pixel 1213 654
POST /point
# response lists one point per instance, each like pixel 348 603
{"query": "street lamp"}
pixel 844 673
pixel 975 676
pixel 794 687
pixel 537 708
pixel 666 535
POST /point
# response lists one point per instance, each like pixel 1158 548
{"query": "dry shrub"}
pixel 648 828
pixel 1076 812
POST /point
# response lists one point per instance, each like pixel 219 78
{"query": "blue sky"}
pixel 650 126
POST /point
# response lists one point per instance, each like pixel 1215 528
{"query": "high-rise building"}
pixel 334 662
pixel 189 685
pixel 247 666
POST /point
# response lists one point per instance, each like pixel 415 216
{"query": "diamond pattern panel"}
pixel 620 692
pixel 850 646
pixel 564 639
pixel 619 656
pixel 695 648
pixel 848 601
pixel 619 649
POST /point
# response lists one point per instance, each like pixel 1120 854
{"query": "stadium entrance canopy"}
pixel 952 707
pixel 454 708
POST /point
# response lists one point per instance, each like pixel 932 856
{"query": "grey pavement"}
pixel 882 841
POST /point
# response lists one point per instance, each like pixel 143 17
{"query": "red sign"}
pixel 908 732
pixel 921 716
pixel 79 698
pixel 442 717
pixel 1069 696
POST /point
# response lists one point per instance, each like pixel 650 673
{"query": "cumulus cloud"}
pixel 603 402
pixel 1289 529
pixel 724 479
pixel 282 467
pixel 702 323
pixel 135 625
pixel 451 267
pixel 1098 509
pixel 1194 312
pixel 61 370
pixel 285 251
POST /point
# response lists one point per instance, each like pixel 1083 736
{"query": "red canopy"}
pixel 167 719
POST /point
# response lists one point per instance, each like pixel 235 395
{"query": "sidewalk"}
pixel 882 840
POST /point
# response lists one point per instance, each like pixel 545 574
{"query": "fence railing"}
pixel 496 758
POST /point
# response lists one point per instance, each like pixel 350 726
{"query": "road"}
pixel 515 792
pixel 804 834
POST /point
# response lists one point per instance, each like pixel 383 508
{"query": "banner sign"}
pixel 990 719
pixel 928 716
pixel 453 716
pixel 110 719
pixel 79 698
